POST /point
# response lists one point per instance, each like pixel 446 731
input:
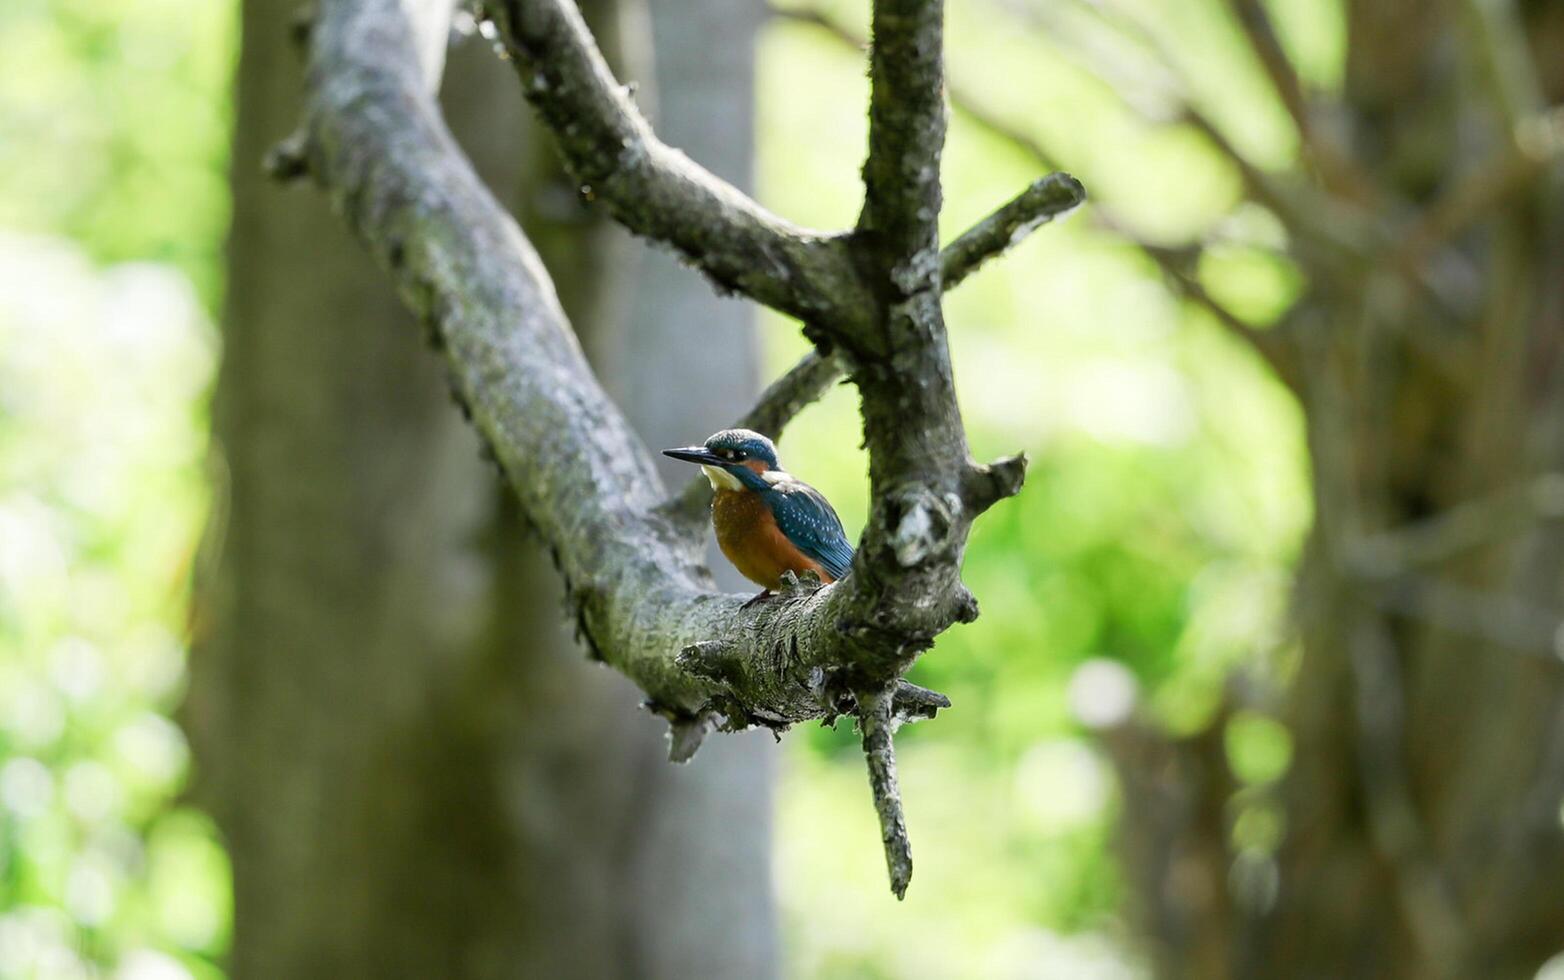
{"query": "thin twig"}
pixel 1337 170
pixel 875 717
pixel 1048 198
pixel 801 386
pixel 1268 344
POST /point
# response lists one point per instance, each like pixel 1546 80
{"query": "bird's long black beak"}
pixel 695 454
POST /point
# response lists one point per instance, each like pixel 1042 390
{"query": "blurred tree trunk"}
pixel 1421 815
pixel 417 771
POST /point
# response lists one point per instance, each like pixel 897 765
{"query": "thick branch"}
pixel 906 134
pixel 637 588
pixel 658 192
pixel 644 604
pixel 1047 198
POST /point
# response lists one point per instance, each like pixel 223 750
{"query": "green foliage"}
pixel 101 502
pixel 113 136
pixel 114 127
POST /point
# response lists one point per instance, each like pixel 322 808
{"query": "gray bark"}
pixel 630 557
pixel 416 770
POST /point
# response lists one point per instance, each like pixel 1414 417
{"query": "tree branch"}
pixel 644 604
pixel 1266 343
pixel 658 192
pixel 1396 826
pixel 804 383
pixel 1048 198
pixel 1337 170
pixel 1178 278
pixel 879 750
pixel 376 141
pixel 906 135
pixel 1512 169
pixel 1496 31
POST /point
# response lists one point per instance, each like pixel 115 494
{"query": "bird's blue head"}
pixel 733 458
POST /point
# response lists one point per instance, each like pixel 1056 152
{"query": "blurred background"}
pixel 284 690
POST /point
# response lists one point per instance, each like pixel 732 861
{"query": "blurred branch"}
pixel 1436 923
pixel 1046 199
pixel 1329 223
pixel 1392 564
pixel 1175 852
pixel 1338 235
pixel 1270 345
pixel 1501 48
pixel 1338 171
pixel 1507 621
pixel 1470 525
pixel 1539 144
pixel 1255 23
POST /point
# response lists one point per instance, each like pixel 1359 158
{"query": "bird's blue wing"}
pixel 806 517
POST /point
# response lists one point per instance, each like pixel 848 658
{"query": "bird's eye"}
pixel 739 454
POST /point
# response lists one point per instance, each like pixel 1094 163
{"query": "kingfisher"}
pixel 767 521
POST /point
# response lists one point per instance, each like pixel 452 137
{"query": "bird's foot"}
pixel 762 596
pixel 806 581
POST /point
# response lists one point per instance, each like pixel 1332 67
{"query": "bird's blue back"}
pixel 806 517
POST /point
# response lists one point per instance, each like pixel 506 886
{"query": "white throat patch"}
pixel 720 478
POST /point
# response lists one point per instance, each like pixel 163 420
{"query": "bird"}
pixel 767 521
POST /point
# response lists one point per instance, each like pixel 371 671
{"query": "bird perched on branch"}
pixel 767 521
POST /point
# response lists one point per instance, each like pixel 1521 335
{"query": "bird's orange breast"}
pixel 748 535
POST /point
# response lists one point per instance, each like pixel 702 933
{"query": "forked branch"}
pixel 374 138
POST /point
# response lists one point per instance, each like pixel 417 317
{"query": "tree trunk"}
pixel 417 771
